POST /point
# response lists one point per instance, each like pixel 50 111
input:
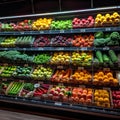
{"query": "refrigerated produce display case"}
pixel 67 61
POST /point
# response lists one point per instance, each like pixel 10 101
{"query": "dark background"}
pixel 20 7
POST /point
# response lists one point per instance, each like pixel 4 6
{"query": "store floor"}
pixel 8 115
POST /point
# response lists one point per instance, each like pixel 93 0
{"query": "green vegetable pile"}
pixel 15 88
pixel 8 71
pixel 61 24
pixel 107 39
pixel 8 42
pixel 109 57
pixel 15 56
pixel 29 86
pixel 24 41
pixel 23 71
pixel 41 58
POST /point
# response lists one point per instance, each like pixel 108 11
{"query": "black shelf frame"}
pixel 60 105
pixel 70 31
pixel 115 48
pixel 53 104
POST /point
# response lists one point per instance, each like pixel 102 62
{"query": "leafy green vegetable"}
pixel 29 86
pixel 115 36
pixel 99 34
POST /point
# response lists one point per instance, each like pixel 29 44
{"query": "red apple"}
pixel 82 100
pixel 88 101
pixel 58 89
pixel 55 98
pixel 85 91
pixel 65 99
pixel 50 96
pixel 118 96
pixel 61 94
pixel 89 96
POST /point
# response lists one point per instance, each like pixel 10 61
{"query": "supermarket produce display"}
pixel 64 61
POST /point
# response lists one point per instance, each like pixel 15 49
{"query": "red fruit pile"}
pixel 59 93
pixel 80 23
pixel 81 96
pixel 116 98
pixel 41 92
pixel 23 25
pixel 61 41
pixel 41 41
pixel 83 41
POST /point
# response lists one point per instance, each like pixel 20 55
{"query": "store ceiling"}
pixel 20 7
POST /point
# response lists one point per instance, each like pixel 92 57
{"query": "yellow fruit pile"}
pixel 107 19
pixel 42 24
pixel 101 98
pixel 82 76
pixel 60 58
pixel 105 78
pixel 81 58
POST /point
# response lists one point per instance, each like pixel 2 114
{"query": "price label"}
pixel 106 88
pixel 82 30
pixel 60 67
pixel 36 85
pixel 106 69
pixel 61 84
pixel 82 86
pixel 62 31
pixel 5 48
pixel 80 68
pixel 106 48
pixel 24 49
pixel 21 80
pixel 50 31
pixel 60 48
pixel 26 65
pixel 84 48
pixel 40 48
pixel 71 31
pixel 16 98
pixel 22 33
pixel 4 79
pixel 41 32
pixel 58 103
pixel 107 29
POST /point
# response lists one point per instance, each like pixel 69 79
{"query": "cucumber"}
pixel 113 56
pixel 105 58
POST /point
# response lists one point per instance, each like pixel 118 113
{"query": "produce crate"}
pixel 61 41
pixel 105 77
pixel 41 72
pixel 115 97
pixel 7 71
pixel 61 75
pixel 102 98
pixel 82 58
pixel 20 42
pixel 14 88
pixel 3 87
pixel 43 58
pixel 81 96
pixel 59 93
pixel 41 41
pixel 81 75
pixel 22 73
pixel 40 91
pixel 61 58
pixel 27 91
